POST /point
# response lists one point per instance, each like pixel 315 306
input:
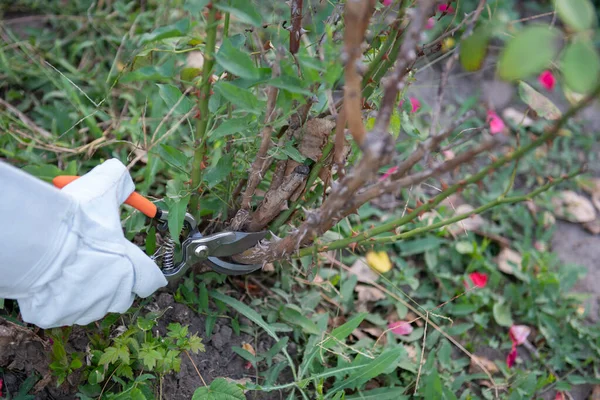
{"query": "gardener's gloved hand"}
pixel 63 254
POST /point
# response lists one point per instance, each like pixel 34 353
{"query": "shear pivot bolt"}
pixel 201 251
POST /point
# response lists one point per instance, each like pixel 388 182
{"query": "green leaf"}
pixel 109 356
pixel 202 297
pixel 177 209
pixel 291 84
pixel 178 29
pixel 149 356
pixel 580 66
pixel 538 102
pixel 171 96
pixel 243 99
pixel 343 331
pixel 296 318
pixel 195 6
pixel 219 389
pixel 293 153
pixel 577 14
pixel 276 348
pixel 195 343
pixel 388 393
pixel 173 156
pixel 474 48
pixel 244 10
pixel 371 369
pixel 136 394
pixel 502 316
pixel 236 61
pixel 45 172
pixel 230 127
pixel 217 173
pixel 419 246
pixel 433 386
pixel 246 355
pixel 528 53
pixel 246 312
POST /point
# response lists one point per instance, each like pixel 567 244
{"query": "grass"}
pixel 100 84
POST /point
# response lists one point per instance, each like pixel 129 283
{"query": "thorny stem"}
pixel 205 88
pixel 393 224
pixel 479 210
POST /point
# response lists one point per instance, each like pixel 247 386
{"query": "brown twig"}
pixel 340 142
pixel 296 28
pixel 258 166
pixel 356 17
pixel 26 120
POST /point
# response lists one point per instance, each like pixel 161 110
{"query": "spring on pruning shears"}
pixel 216 249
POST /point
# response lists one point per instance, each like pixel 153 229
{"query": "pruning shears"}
pixel 212 249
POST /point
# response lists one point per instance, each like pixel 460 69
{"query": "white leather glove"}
pixel 63 254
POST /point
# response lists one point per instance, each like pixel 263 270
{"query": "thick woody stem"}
pixel 356 17
pixel 296 30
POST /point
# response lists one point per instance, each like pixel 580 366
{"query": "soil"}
pixel 23 352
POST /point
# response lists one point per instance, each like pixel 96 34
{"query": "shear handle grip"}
pixel 135 200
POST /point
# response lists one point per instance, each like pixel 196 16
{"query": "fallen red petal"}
pixel 512 356
pixel 388 173
pixel 518 333
pixel 387 3
pixel 479 279
pixel 496 123
pixel 560 396
pixel 400 327
pixel 547 80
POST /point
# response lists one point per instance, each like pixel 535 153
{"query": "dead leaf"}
pixel 379 261
pixel 506 259
pixel 573 207
pixel 248 347
pixel 195 59
pixel 516 117
pixel 590 185
pixel 362 271
pixel 268 267
pixel 368 293
pixel 548 219
pixel 538 102
pixel 593 227
pixel 374 331
pixel 596 200
pixel 475 368
pixel 412 352
pixel 474 222
pixel 313 136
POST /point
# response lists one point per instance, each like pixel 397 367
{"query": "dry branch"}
pixel 377 148
pixel 258 167
pixel 276 198
pixel 356 17
pixel 296 29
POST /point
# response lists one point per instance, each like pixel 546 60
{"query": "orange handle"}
pixel 135 200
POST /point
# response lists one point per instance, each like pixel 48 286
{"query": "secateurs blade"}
pixel 214 250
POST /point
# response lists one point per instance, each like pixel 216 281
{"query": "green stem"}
pixel 393 224
pixel 205 88
pixel 384 66
pixel 314 173
pixel 479 210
